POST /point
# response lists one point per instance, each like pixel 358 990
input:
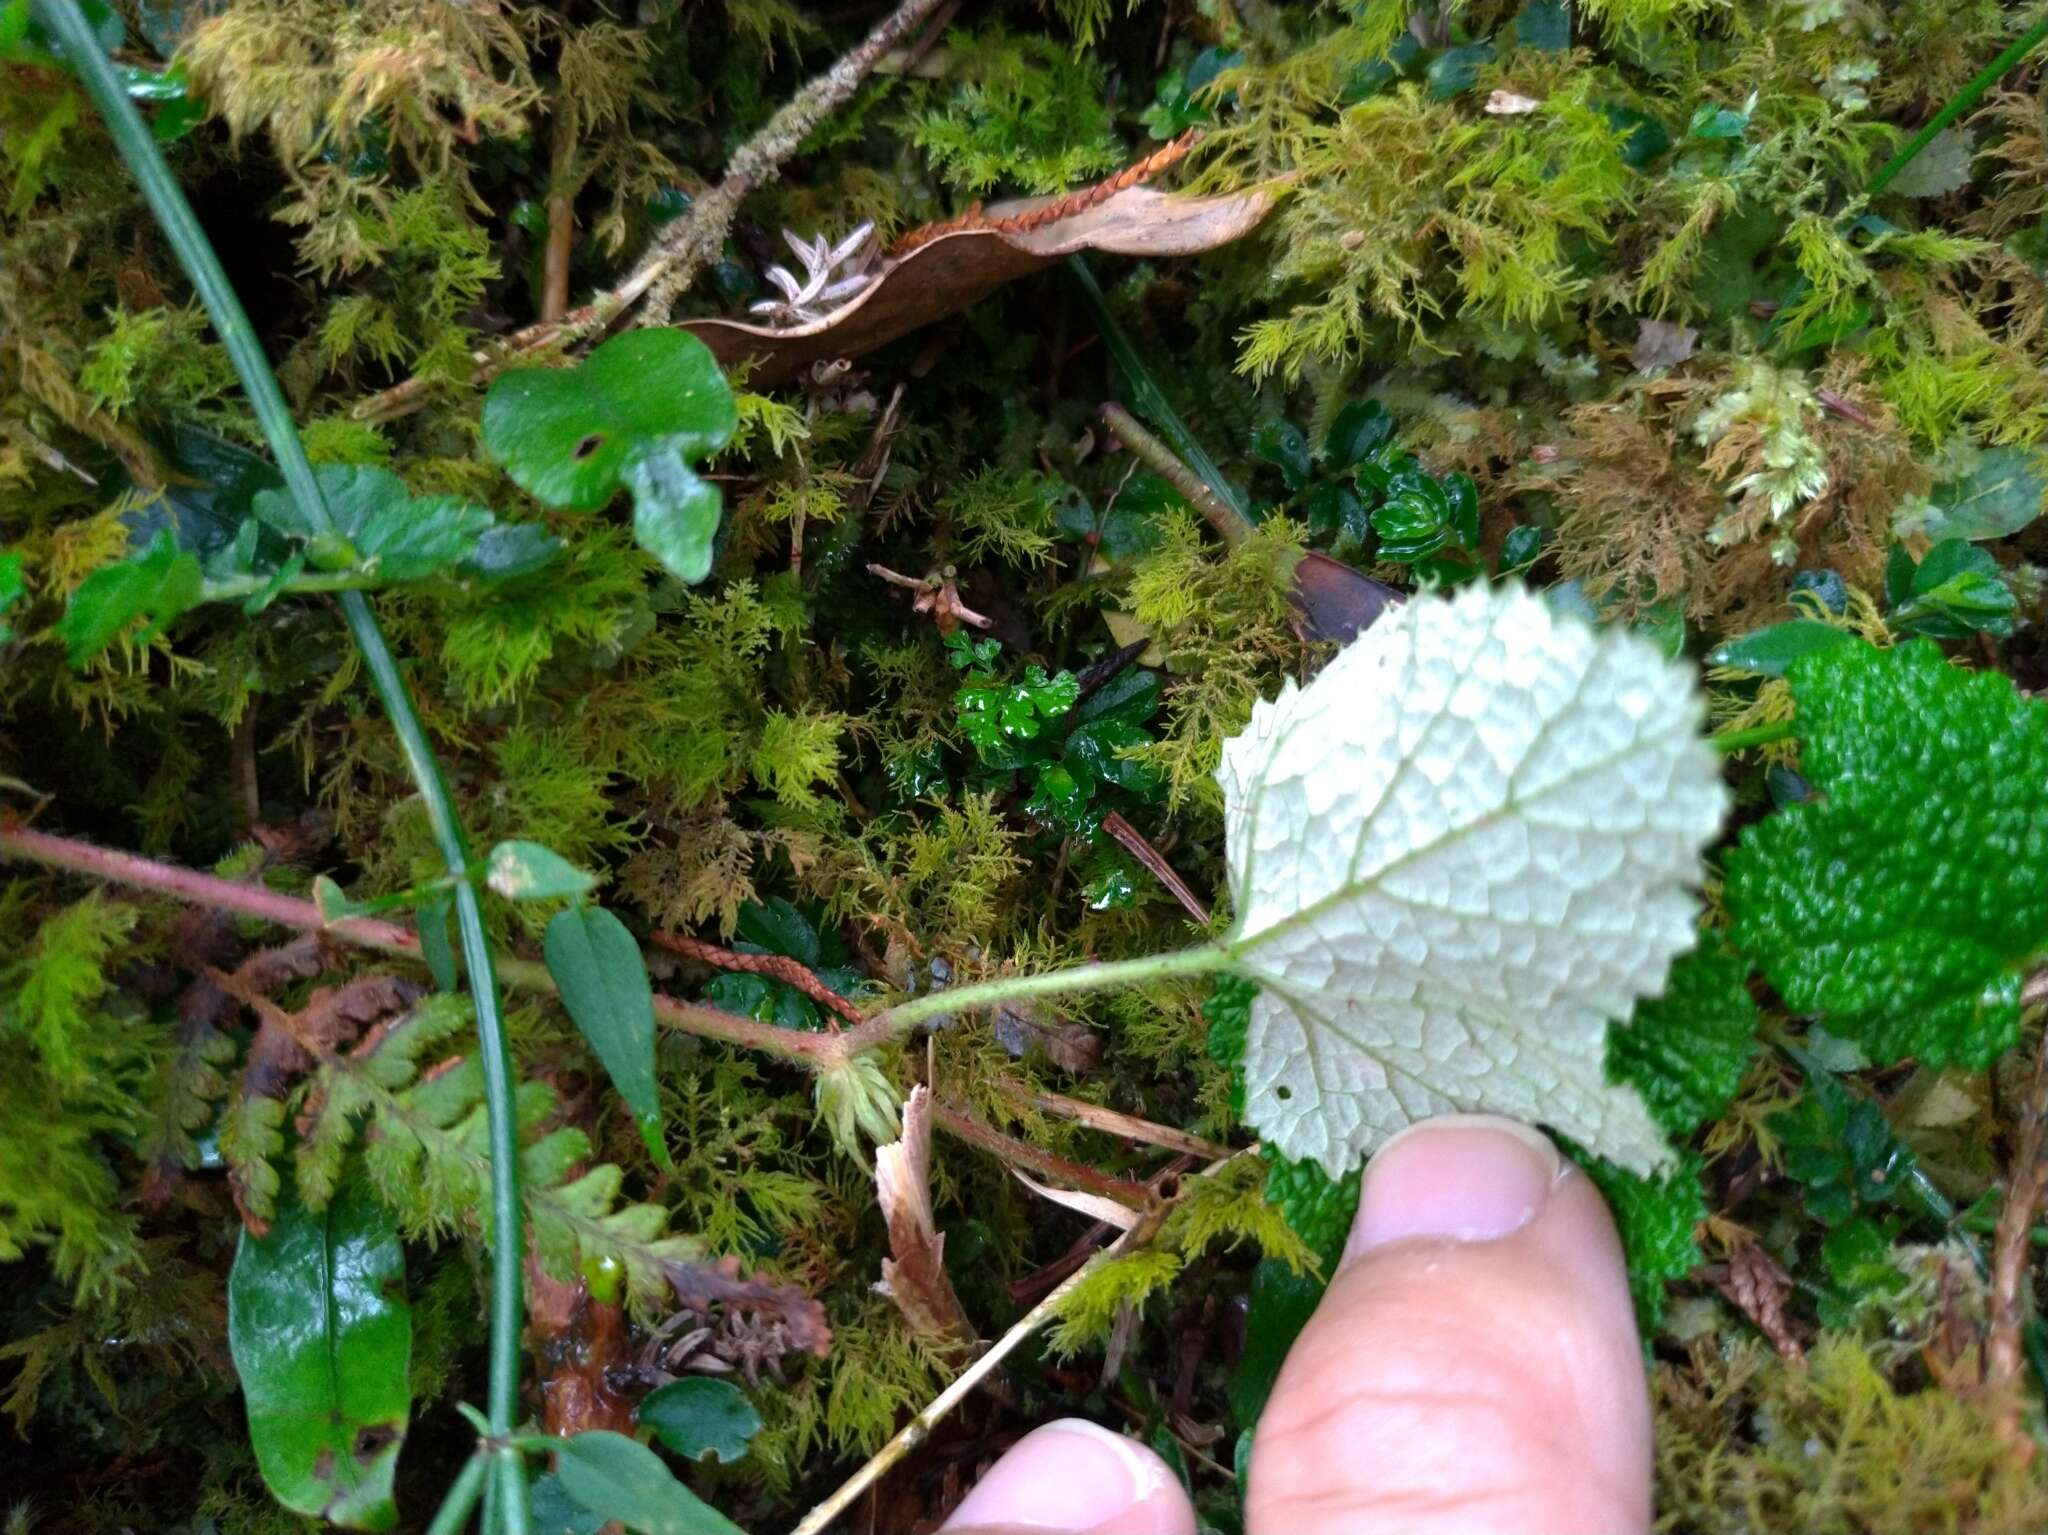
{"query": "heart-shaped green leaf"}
pixel 636 412
pixel 698 1417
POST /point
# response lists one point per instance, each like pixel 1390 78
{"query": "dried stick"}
pixel 2011 1265
pixel 783 968
pixel 1155 863
pixel 964 1126
pixel 1110 1122
pixel 1229 523
pixel 687 245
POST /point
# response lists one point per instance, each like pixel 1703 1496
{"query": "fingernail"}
pixel 1459 1178
pixel 1070 1475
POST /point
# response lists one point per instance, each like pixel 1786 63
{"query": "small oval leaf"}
pixel 604 985
pixel 622 1479
pixel 698 1418
pixel 526 871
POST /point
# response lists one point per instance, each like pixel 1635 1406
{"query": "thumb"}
pixel 1474 1364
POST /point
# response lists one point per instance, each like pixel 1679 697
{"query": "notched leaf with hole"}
pixel 322 1338
pixel 1467 845
pixel 638 412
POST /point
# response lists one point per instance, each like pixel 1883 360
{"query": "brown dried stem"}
pixel 1110 1122
pixel 1228 522
pixel 2011 1261
pixel 1155 863
pixel 789 971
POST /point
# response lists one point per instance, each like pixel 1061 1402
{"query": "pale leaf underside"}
pixel 1472 841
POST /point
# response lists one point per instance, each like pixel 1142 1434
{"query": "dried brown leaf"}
pixel 914 1276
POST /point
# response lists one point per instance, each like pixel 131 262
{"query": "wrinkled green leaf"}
pixel 526 871
pixel 1686 1051
pixel 379 526
pixel 158 585
pixel 322 1339
pixel 1904 901
pixel 1470 842
pixel 603 980
pixel 622 1479
pixel 697 1418
pixel 637 412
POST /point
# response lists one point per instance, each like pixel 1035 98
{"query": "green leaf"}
pixel 380 528
pixel 1686 1051
pixel 1956 591
pixel 11 589
pixel 1319 1208
pixel 603 980
pixel 696 1417
pixel 1281 1303
pixel 1997 498
pixel 1282 444
pixel 157 585
pixel 1456 70
pixel 322 1339
pixel 1657 1218
pixel 1767 652
pixel 1470 842
pixel 435 947
pixel 1904 901
pixel 526 871
pixel 1358 430
pixel 556 1513
pixel 637 412
pixel 622 1479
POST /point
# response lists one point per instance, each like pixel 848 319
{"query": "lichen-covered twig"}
pixel 687 245
pixel 695 239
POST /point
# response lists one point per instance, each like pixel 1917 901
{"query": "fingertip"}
pixel 1077 1478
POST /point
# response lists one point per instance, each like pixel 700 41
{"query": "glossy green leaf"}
pixel 526 871
pixel 697 1417
pixel 322 1339
pixel 1767 652
pixel 637 412
pixel 1904 902
pixel 1359 429
pixel 622 1479
pixel 603 980
pixel 158 584
pixel 1957 590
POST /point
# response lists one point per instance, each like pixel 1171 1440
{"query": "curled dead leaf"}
pixel 957 267
pixel 914 1276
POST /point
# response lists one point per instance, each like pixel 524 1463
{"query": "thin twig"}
pixel 685 246
pixel 965 1126
pixel 2011 1263
pixel 919 1428
pixel 781 966
pixel 1230 524
pixel 1110 1122
pixel 1155 862
pixel 814 1051
pixel 561 204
